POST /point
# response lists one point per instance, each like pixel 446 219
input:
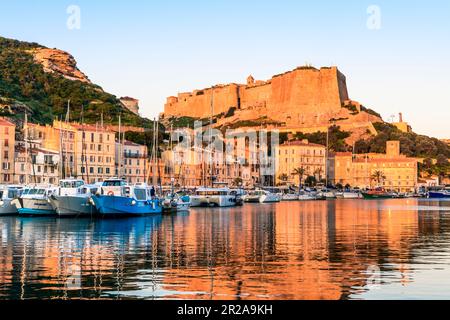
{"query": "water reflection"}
pixel 310 250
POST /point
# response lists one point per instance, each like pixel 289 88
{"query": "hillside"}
pixel 42 81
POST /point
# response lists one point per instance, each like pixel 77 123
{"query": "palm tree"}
pixel 378 177
pixel 300 172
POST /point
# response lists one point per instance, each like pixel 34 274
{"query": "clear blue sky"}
pixel 154 49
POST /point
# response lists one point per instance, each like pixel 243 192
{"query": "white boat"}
pixel 214 197
pixel 9 202
pixel 73 198
pixel 352 195
pixel 176 203
pixel 306 196
pixel 268 197
pixel 251 197
pixel 289 197
pixel 34 201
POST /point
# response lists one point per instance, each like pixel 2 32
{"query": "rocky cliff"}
pixel 43 81
pixel 59 62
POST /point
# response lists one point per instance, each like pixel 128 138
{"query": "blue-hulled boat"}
pixel 34 202
pixel 443 194
pixel 117 199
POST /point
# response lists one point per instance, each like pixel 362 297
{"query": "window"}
pixel 92 137
pixel 6 143
pixel 91 170
pixel 107 169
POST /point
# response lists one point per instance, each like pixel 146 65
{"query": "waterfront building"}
pixel 7 142
pixel 86 151
pixel 395 171
pixel 131 161
pixel 294 155
pixel 34 165
pixel 95 153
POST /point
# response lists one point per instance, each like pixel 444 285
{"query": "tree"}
pixel 319 173
pixel 378 177
pixel 311 181
pixel 300 172
pixel 442 161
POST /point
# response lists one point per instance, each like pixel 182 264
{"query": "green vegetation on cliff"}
pixel 412 144
pixel 24 82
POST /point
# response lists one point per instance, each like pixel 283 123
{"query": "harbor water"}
pixel 340 249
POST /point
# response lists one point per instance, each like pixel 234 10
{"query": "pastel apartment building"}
pixel 304 155
pixel 7 145
pixel 400 172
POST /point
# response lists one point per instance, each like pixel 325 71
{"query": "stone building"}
pixel 300 155
pixel 399 172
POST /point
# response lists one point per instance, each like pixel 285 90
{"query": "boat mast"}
pixel 119 169
pixel 25 129
pixel 211 155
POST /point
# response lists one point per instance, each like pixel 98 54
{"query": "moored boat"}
pixel 34 201
pixel 214 197
pixel 73 198
pixel 443 194
pixel 116 198
pixel 173 203
pixel 378 193
pixel 9 203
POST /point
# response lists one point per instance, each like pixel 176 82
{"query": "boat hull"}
pixel 439 195
pixel 368 196
pixel 68 206
pixel 115 206
pixel 9 208
pixel 212 201
pixel 36 207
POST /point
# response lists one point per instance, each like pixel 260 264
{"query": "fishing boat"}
pixel 378 193
pixel 34 201
pixel 214 197
pixel 73 198
pixel 9 202
pixel 116 198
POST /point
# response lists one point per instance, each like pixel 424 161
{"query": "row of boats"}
pixel 115 198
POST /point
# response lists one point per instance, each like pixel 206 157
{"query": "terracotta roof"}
pixel 299 143
pixel 5 122
pixel 129 143
pixel 385 160
pixel 90 127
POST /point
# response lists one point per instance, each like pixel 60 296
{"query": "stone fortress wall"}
pixel 305 95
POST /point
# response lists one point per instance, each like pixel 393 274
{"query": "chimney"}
pixel 400 117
